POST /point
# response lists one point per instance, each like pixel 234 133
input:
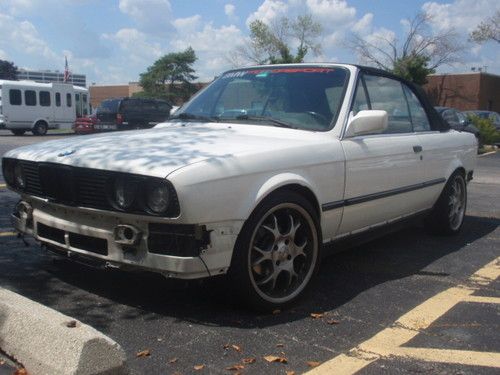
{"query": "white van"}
pixel 37 107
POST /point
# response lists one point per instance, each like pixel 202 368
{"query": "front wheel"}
pixel 277 252
pixel 448 213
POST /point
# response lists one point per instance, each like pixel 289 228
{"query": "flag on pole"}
pixel 66 70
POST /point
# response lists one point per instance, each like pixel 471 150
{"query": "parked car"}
pixel 458 121
pixel 493 116
pixel 85 125
pixel 131 113
pixel 249 178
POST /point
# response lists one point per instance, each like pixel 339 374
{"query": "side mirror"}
pixel 367 122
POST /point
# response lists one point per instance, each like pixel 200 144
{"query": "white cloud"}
pixel 463 15
pixel 363 25
pixel 188 24
pixel 3 55
pixel 135 46
pixel 268 10
pixel 230 11
pixel 334 12
pixel 152 16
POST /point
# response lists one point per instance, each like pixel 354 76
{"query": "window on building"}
pixel 15 97
pixel 30 97
pixel 44 98
pixel 68 100
pixel 58 99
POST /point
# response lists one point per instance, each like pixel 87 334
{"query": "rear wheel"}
pixel 448 213
pixel 277 252
pixel 18 131
pixel 40 128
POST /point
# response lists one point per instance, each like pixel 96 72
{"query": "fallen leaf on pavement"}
pixel 21 371
pixel 71 324
pixel 235 368
pixel 173 360
pixel 290 373
pixel 248 360
pixel 313 363
pixel 199 367
pixel 144 353
pixel 333 321
pixel 280 345
pixel 276 312
pixel 274 358
pixel 317 315
pixel 237 348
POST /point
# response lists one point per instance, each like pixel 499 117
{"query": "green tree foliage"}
pixel 8 70
pixel 417 54
pixel 413 68
pixel 272 44
pixel 487 30
pixel 170 77
pixel 487 132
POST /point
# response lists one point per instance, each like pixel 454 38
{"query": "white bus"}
pixel 37 107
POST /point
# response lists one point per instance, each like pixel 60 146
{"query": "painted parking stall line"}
pixel 8 234
pixel 389 341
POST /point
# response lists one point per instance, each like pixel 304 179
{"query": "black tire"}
pixel 18 131
pixel 447 215
pixel 280 242
pixel 40 128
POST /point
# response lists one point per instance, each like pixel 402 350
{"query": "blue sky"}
pixel 113 41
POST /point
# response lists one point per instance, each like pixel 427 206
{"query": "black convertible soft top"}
pixel 436 121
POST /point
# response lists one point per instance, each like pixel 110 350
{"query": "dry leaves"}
pixel 317 315
pixel 290 373
pixel 143 353
pixel 332 321
pixel 235 347
pixel 21 371
pixel 274 358
pixel 71 324
pixel 313 363
pixel 280 345
pixel 248 361
pixel 173 360
pixel 199 367
pixel 235 368
pixel 276 312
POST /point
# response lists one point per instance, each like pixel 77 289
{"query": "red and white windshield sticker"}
pixel 257 72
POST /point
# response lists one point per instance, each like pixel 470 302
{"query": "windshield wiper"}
pixel 191 116
pixel 273 121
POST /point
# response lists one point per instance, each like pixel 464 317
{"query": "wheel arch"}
pixel 40 119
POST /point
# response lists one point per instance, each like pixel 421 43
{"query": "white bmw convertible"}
pixel 250 178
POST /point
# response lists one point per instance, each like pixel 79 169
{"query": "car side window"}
pixel 360 102
pixel 418 115
pixel 15 97
pixel 58 99
pixel 387 94
pixel 30 97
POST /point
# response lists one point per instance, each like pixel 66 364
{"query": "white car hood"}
pixel 165 148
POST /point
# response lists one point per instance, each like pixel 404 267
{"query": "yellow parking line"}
pixel 3 185
pixel 389 341
pixel 7 234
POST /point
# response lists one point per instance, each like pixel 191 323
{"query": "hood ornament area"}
pixel 66 153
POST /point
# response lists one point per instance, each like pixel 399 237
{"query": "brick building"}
pixel 465 91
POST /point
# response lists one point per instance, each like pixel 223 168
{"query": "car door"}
pixel 382 170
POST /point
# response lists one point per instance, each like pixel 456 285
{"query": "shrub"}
pixel 487 132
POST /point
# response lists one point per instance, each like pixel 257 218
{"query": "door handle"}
pixel 417 149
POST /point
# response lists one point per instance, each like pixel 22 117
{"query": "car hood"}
pixel 165 148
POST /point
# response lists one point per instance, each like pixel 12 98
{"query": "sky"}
pixel 113 41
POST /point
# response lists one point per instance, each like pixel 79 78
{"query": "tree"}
pixel 487 30
pixel 8 70
pixel 419 54
pixel 170 77
pixel 271 44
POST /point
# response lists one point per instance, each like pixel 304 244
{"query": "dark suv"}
pixel 131 113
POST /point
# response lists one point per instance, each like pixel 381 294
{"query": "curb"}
pixel 47 342
pixel 487 153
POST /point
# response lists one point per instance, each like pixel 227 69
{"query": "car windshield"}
pixel 108 106
pixel 298 97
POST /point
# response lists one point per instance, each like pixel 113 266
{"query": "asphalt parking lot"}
pixel 408 302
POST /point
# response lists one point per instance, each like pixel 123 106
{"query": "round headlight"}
pixel 158 197
pixel 125 190
pixel 19 178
